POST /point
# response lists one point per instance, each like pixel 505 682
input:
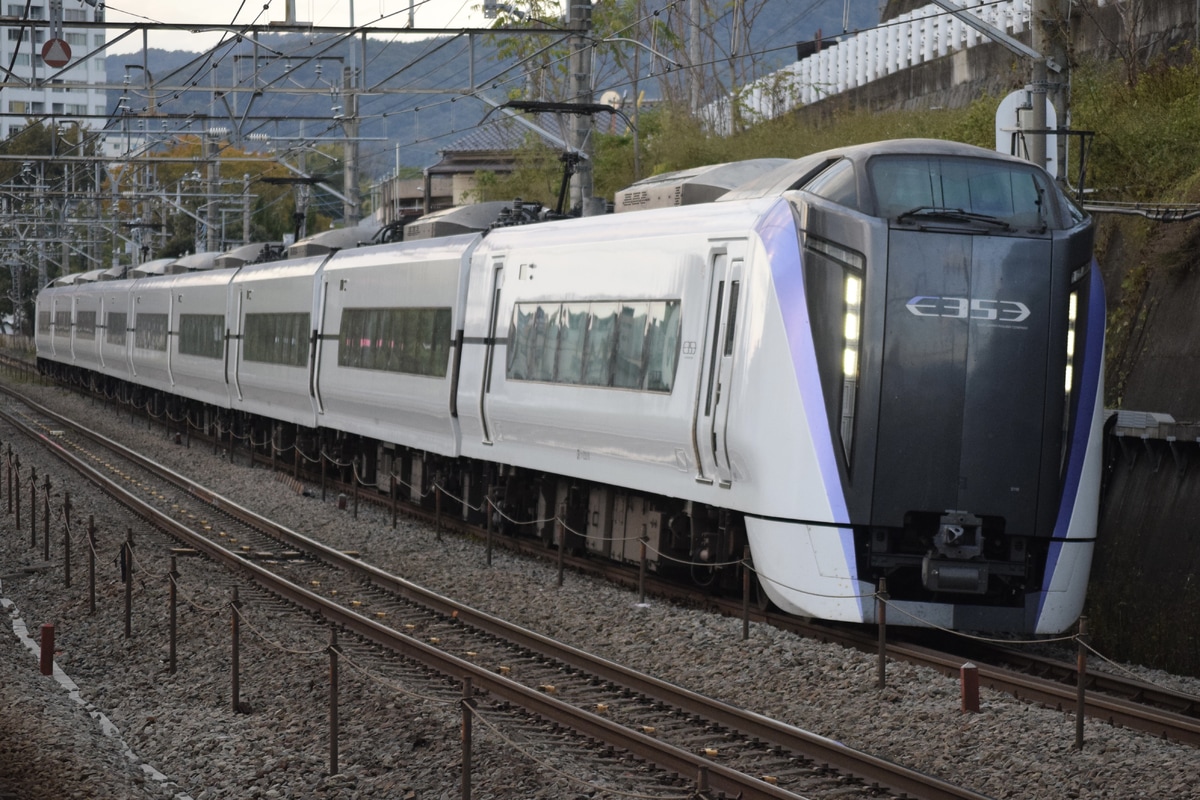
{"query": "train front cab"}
pixel 981 508
pixel 957 324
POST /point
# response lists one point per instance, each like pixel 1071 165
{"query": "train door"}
pixel 712 402
pixel 490 344
pixel 170 347
pixel 101 329
pixel 316 350
pixel 233 353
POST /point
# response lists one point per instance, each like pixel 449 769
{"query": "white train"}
pixel 882 361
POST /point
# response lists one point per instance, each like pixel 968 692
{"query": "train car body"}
pixel 881 363
pixel 113 341
pixel 53 312
pixel 385 358
pixel 149 323
pixel 272 317
pixel 199 310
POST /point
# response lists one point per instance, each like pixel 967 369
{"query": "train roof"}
pixel 456 220
pixel 691 186
pixel 336 239
pixel 795 173
pixel 254 253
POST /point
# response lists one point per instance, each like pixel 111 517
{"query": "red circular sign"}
pixel 56 53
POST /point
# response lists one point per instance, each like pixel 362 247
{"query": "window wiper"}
pixel 937 213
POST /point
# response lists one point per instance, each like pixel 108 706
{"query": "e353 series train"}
pixel 879 361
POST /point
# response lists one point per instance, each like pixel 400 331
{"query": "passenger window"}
pixel 597 369
pixel 662 345
pixel 572 340
pixel 838 184
pixel 545 344
pixel 631 339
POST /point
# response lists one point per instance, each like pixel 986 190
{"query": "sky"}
pixel 335 13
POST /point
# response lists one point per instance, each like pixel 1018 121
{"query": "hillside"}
pixel 432 72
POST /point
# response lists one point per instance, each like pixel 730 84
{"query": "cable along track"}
pixel 715 745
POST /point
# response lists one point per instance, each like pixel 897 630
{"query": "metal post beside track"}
pixel 67 539
pixel 487 507
pixel 468 707
pixel 235 631
pixel 32 507
pixel 392 496
pixel 1080 682
pixel 642 572
pixel 333 702
pixel 746 593
pixel 172 600
pixel 881 596
pixel 437 511
pixel 46 519
pixel 91 532
pixel 16 466
pixel 562 547
pixel 127 576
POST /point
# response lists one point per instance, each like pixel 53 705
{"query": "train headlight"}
pixel 1072 309
pixel 852 331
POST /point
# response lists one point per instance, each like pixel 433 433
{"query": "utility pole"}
pixel 580 23
pixel 246 208
pixel 1057 25
pixel 693 41
pixel 1051 25
pixel 210 192
pixel 351 208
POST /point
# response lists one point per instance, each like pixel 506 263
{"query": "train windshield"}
pixel 1005 194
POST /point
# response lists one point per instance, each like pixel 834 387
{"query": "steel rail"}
pixel 871 769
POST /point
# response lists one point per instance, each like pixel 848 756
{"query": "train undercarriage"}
pixel 683 540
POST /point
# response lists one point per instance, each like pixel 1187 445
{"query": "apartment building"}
pixel 30 87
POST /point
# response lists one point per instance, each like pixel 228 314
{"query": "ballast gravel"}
pixel 115 723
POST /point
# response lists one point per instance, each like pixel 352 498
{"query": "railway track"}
pixel 1110 697
pixel 695 740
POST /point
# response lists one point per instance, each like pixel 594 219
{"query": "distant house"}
pixel 491 147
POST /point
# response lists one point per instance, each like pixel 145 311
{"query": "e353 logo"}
pixel 1005 311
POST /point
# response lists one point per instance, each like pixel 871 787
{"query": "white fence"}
pixel 921 35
